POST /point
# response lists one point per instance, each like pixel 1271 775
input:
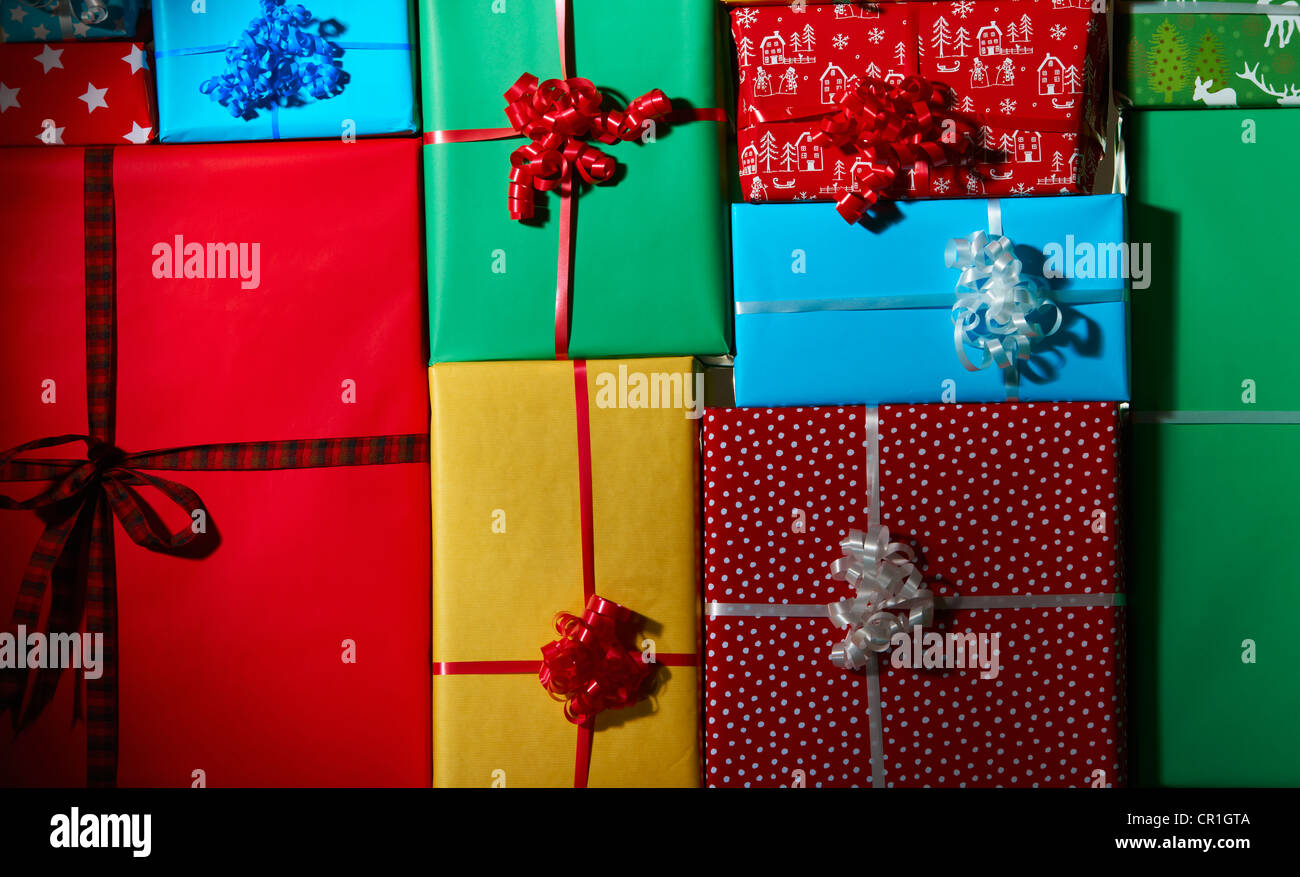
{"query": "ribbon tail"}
pixel 101 617
pixel 582 759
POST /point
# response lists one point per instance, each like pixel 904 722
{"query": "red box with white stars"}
pixel 1012 511
pixel 1028 76
pixel 76 94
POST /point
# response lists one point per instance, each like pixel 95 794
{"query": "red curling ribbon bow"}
pixel 555 116
pixel 892 126
pixel 593 667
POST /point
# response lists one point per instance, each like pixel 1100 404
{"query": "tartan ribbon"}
pixel 891 126
pixel 73 560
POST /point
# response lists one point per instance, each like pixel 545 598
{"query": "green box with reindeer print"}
pixel 1169 55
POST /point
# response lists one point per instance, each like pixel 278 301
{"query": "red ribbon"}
pixel 595 665
pixel 555 116
pixel 892 126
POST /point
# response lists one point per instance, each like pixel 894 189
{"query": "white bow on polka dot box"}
pixel 1013 513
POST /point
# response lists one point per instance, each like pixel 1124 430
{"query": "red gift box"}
pixel 1011 511
pixel 75 94
pixel 1027 81
pixel 288 643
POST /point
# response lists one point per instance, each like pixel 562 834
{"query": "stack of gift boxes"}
pixel 1211 125
pixel 264 335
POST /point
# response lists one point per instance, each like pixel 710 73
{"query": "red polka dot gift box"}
pixel 76 93
pixel 914 595
pixel 962 98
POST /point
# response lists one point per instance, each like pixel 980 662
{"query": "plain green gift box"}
pixel 651 250
pixel 1215 194
pixel 1215 477
pixel 1213 565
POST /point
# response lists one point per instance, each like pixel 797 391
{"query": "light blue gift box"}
pixel 50 21
pixel 378 98
pixel 829 313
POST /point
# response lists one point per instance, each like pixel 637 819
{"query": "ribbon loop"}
pixel 890 598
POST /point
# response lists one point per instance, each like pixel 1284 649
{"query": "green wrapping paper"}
pixel 1213 331
pixel 650 261
pixel 1208 709
pixel 1245 59
pixel 1216 448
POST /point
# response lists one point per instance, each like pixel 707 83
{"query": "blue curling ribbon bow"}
pixel 274 62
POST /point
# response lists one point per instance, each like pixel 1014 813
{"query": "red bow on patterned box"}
pixel 554 115
pixel 594 665
pixel 891 126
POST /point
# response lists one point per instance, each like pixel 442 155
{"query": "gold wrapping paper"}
pixel 507 556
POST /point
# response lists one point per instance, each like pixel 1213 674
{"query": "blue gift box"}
pixel 48 21
pixel 274 80
pixel 831 313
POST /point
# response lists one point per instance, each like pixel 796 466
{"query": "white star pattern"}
pixel 17 14
pixel 137 59
pixel 45 137
pixel 94 97
pixel 138 135
pixel 50 58
pixel 81 29
pixel 8 97
pixel 41 32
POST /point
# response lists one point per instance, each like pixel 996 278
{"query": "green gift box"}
pixel 650 249
pixel 1213 193
pixel 1215 602
pixel 1172 55
pixel 1216 448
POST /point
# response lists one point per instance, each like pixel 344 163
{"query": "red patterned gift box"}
pixel 1010 512
pixel 75 94
pixel 1027 80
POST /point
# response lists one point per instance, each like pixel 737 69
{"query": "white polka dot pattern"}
pixel 997 500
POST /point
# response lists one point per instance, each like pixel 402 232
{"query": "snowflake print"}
pixel 1008 105
pixel 963 8
pixel 876 35
pixel 1058 31
pixel 940 186
pixel 1020 189
pixel 746 17
pixel 839 41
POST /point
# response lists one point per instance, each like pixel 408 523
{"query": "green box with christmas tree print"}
pixel 1215 448
pixel 1171 55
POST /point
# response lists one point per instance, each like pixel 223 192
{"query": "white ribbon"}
pixel 999 311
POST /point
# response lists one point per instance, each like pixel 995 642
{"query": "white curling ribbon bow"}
pixel 888 582
pixel 994 302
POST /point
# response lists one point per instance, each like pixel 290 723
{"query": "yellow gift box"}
pixel 508 555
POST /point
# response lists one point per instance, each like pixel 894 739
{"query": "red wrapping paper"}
pixel 997 500
pixel 1034 128
pixel 76 94
pixel 233 664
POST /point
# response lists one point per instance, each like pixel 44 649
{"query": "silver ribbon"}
pixel 92 12
pixel 890 599
pixel 996 303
